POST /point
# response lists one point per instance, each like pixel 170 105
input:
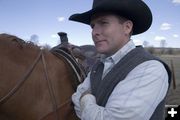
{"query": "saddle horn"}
pixel 63 37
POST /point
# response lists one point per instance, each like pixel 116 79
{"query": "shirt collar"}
pixel 121 52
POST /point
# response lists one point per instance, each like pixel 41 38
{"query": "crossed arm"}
pixel 134 98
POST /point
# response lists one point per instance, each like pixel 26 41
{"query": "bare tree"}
pixel 34 38
pixel 145 44
pixel 163 43
pixel 46 46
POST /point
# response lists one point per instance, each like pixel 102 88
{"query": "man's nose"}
pixel 96 30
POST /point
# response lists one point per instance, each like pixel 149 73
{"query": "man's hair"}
pixel 122 20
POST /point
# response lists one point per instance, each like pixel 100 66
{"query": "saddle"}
pixel 72 58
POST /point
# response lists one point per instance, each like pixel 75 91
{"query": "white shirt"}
pixel 134 98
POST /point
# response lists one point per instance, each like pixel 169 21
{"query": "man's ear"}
pixel 128 26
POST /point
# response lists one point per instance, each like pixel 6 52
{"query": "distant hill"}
pixel 160 50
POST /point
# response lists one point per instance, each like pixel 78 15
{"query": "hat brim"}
pixel 139 14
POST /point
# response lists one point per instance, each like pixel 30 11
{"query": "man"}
pixel 133 84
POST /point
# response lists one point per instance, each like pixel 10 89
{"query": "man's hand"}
pixel 86 99
pixel 85 93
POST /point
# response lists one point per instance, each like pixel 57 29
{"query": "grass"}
pixel 174 64
pixel 173 97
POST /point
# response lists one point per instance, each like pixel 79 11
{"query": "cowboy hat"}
pixel 135 10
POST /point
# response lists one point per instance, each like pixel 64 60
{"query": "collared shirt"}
pixel 134 98
pixel 109 62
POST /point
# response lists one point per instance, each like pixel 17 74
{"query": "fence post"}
pixel 173 75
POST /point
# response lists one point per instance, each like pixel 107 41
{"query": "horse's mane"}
pixel 11 39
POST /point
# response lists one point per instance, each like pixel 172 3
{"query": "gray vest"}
pixel 102 89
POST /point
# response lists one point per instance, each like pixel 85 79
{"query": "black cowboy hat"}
pixel 135 10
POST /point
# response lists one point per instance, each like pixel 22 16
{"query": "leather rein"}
pixel 39 57
pixel 21 81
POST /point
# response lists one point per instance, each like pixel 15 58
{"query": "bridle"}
pixel 39 57
pixel 21 81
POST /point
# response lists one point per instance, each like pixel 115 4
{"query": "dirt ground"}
pixel 173 97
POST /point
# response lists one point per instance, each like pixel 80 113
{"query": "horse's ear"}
pixel 13 40
pixel 18 42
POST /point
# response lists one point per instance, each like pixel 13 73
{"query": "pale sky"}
pixel 45 18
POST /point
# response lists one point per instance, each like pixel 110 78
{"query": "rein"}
pixel 53 98
pixel 26 75
pixel 21 81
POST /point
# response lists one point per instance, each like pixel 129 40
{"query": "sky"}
pixel 45 18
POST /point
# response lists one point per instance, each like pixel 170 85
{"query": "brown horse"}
pixel 34 84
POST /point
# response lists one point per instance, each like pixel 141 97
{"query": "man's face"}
pixel 109 33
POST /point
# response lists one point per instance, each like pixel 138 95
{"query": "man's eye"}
pixel 104 22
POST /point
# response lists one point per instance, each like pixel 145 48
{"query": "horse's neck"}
pixel 32 100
